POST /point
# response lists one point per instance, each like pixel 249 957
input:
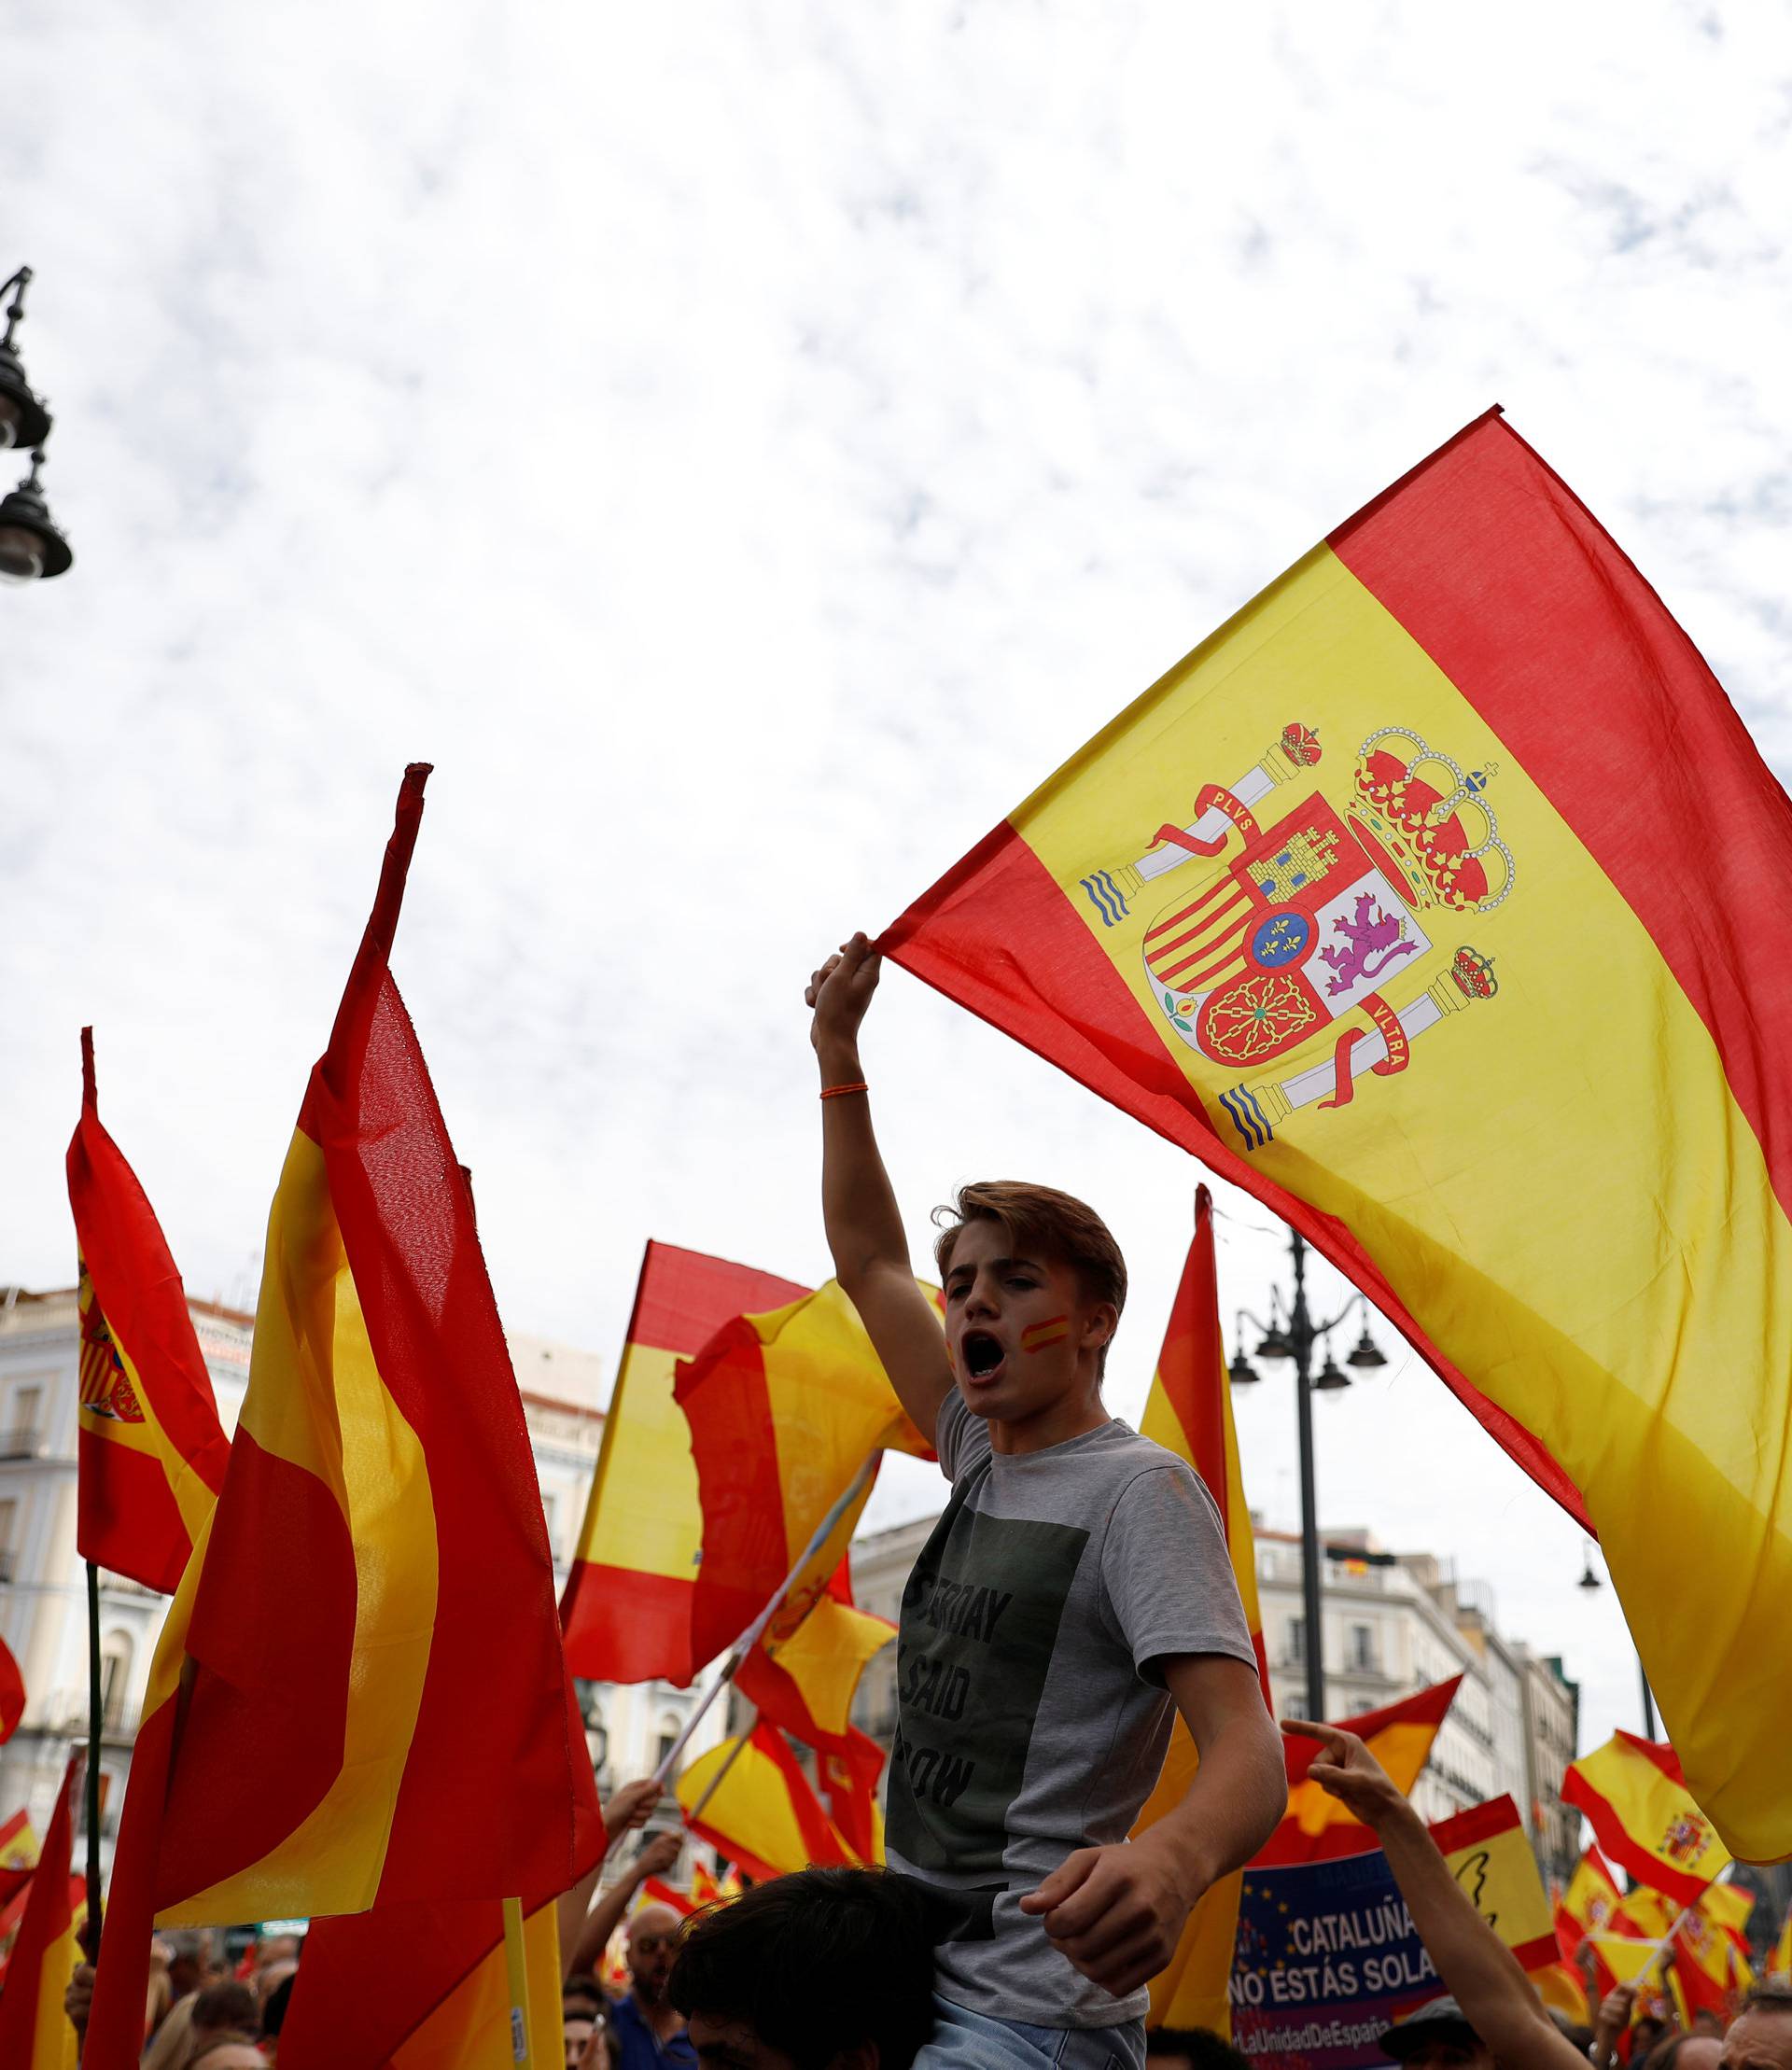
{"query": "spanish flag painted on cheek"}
pixel 299 1749
pixel 1433 900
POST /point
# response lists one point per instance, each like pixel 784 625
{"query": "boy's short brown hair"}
pixel 1045 1222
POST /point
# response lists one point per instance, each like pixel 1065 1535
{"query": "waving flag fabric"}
pixel 627 1606
pixel 804 1684
pixel 152 1451
pixel 34 2033
pixel 12 1702
pixel 420 1987
pixel 1587 1903
pixel 656 1891
pixel 1317 1828
pixel 381 1454
pixel 1778 1960
pixel 1429 890
pixel 783 1410
pixel 1644 1816
pixel 1189 1412
pixel 764 1814
pixel 1710 1952
pixel 1492 1860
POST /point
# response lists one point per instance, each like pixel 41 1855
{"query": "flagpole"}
pixel 516 1969
pixel 755 1631
pixel 94 1724
pixel 714 1783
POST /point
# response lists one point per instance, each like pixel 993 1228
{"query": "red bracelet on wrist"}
pixel 840 1092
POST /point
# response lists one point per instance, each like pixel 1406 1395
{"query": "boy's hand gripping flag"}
pixel 152 1451
pixel 628 1604
pixel 1189 1412
pixel 1432 902
pixel 298 1762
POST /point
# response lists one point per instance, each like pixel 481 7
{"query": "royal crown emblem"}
pixel 1292 932
pixel 104 1385
pixel 1688 1836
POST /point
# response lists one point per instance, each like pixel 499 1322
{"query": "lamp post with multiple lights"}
pixel 31 549
pixel 1295 1335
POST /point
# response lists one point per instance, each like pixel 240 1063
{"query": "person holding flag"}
pixel 1075 1596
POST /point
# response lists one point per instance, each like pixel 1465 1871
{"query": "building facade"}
pixel 42 1589
pixel 1393 1624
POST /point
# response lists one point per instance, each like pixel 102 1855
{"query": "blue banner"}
pixel 1327 1958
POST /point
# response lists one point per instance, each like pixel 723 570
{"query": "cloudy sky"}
pixel 746 448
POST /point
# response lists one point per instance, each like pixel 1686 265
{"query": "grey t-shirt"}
pixel 1030 1723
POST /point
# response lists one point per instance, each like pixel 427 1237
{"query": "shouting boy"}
pixel 1077 1587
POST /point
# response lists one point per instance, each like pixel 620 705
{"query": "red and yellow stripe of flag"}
pixel 1189 1412
pixel 1482 825
pixel 626 1612
pixel 151 1449
pixel 1316 1826
pixel 1491 1861
pixel 1642 1814
pixel 1588 1904
pixel 382 1453
pixel 763 1813
pixel 34 2032
pixel 783 1410
pixel 1041 1336
pixel 1779 1959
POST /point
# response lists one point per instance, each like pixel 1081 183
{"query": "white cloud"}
pixel 746 448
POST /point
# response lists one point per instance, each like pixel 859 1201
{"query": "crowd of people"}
pixel 835 1969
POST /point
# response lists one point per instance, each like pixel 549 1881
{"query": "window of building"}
pixel 27 1408
pixel 1362 1648
pixel 1296 1641
pixel 9 1524
pixel 115 1675
pixel 669 1730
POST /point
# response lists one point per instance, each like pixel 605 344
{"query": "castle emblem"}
pixel 1290 936
pixel 106 1386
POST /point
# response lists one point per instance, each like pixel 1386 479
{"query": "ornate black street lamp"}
pixel 1294 1335
pixel 31 549
pixel 1589 1579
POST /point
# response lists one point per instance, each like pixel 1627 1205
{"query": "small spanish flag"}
pixel 1316 1827
pixel 626 1610
pixel 804 1684
pixel 298 1765
pixel 1588 1904
pixel 763 1813
pixel 1644 1816
pixel 1434 885
pixel 783 1410
pixel 1491 1861
pixel 153 1452
pixel 1778 1960
pixel 34 2032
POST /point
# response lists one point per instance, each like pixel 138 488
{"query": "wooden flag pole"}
pixel 95 1724
pixel 516 1969
pixel 756 1630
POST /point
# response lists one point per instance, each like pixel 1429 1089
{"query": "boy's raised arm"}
pixel 858 1207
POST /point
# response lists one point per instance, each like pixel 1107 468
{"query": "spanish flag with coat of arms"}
pixel 153 1452
pixel 1433 901
pixel 299 1763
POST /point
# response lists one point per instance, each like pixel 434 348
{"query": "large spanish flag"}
pixel 1189 1412
pixel 307 1762
pixel 1425 900
pixel 627 1606
pixel 1643 1815
pixel 783 1410
pixel 34 2032
pixel 1316 1827
pixel 152 1451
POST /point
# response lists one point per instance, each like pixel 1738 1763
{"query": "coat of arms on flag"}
pixel 1318 915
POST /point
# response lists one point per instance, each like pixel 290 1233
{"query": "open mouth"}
pixel 982 1354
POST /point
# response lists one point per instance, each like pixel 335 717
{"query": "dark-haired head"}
pixel 827 1967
